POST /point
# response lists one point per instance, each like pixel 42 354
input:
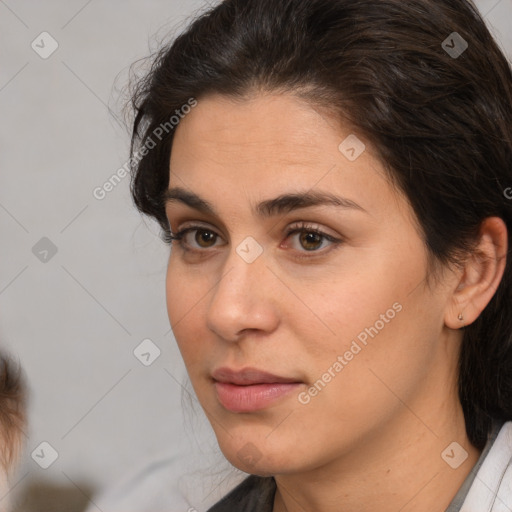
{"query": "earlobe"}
pixel 481 275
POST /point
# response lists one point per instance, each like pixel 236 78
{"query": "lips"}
pixel 249 376
pixel 250 389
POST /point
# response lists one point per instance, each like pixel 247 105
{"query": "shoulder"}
pixel 492 487
pixel 254 494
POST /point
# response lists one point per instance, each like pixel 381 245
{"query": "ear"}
pixel 480 276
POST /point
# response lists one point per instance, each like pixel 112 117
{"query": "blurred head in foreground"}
pixel 13 398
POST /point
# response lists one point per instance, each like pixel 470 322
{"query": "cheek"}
pixel 356 305
pixel 185 302
pixel 366 328
pixel 186 289
pixel 355 385
pixel 386 357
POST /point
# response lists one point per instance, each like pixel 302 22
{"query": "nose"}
pixel 243 299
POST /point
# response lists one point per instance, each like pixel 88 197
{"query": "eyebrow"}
pixel 284 203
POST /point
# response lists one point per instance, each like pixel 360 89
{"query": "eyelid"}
pixel 310 226
pixel 188 216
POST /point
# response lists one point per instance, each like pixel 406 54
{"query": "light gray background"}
pixel 75 320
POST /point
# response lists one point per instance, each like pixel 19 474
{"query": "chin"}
pixel 259 457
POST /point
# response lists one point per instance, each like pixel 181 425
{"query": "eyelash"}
pixel 302 227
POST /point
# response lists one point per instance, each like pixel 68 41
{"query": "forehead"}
pixel 271 144
pixel 268 127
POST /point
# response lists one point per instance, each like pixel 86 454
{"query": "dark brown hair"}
pixel 440 121
pixel 13 398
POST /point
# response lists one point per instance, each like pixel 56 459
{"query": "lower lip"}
pixel 251 398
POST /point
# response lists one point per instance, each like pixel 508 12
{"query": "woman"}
pixel 332 176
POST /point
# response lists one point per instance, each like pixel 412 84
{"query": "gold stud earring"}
pixel 461 317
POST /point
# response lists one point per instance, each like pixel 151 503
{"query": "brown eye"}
pixel 305 238
pixel 205 238
pixel 310 240
pixel 195 238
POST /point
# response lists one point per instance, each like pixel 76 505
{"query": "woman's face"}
pixel 300 260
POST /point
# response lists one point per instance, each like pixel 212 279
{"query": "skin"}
pixel 372 438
